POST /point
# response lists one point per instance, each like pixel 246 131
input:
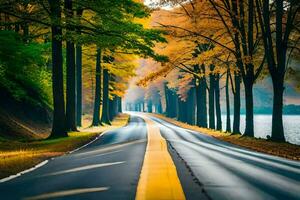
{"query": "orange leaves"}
pixel 154 75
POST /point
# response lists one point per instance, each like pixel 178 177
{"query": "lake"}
pixel 263 125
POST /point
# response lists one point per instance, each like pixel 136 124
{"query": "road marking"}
pixel 158 179
pixel 100 155
pixel 84 168
pixel 66 193
pixel 24 172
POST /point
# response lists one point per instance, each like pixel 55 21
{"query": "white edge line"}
pixel 24 172
pixel 96 138
pixel 46 161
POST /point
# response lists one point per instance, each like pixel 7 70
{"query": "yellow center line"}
pixel 158 179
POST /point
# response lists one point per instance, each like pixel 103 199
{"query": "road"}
pixel 112 168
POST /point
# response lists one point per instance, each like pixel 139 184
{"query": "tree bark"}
pixel 97 100
pixel 249 131
pixel 105 106
pixel 59 118
pixel 190 109
pixel 218 106
pixel 79 84
pixel 277 121
pixel 211 108
pixel 237 104
pixel 79 77
pixel 201 97
pixel 71 82
pixel 228 121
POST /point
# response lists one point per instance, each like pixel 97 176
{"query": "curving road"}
pixel 226 171
pixel 207 168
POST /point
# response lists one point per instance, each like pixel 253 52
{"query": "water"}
pixel 263 125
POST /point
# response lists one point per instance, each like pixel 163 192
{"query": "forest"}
pixel 51 50
pixel 57 54
pixel 62 55
pixel 218 52
pixel 149 99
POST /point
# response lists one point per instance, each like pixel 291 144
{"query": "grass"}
pixel 282 149
pixel 16 155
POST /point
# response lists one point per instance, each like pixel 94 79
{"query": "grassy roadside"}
pixel 281 149
pixel 16 156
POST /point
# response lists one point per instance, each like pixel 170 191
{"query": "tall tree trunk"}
pixel 211 108
pixel 181 111
pixel 277 121
pixel 59 118
pixel 201 97
pixel 167 98
pixel 79 77
pixel 105 107
pixel 149 106
pixel 113 108
pixel 191 106
pixel 71 82
pixel 237 104
pixel 228 121
pixel 159 106
pixel 79 84
pixel 249 130
pixel 218 106
pixel 119 104
pixel 97 100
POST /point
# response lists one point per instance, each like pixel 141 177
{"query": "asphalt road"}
pixel 226 171
pixel 110 167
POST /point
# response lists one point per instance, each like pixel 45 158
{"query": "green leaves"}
pixel 23 71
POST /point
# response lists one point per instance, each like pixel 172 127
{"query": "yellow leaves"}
pixel 154 75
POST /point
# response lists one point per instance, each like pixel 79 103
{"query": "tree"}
pixel 97 101
pixel 78 54
pixel 59 117
pixel 276 43
pixel 70 64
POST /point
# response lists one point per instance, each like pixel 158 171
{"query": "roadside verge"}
pixel 16 156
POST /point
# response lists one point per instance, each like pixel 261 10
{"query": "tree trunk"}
pixel 59 118
pixel 249 131
pixel 201 97
pixel 181 111
pixel 159 106
pixel 191 106
pixel 71 82
pixel 228 121
pixel 211 108
pixel 277 122
pixel 97 100
pixel 79 78
pixel 237 104
pixel 218 106
pixel 120 105
pixel 79 84
pixel 113 108
pixel 167 100
pixel 105 106
pixel 149 106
